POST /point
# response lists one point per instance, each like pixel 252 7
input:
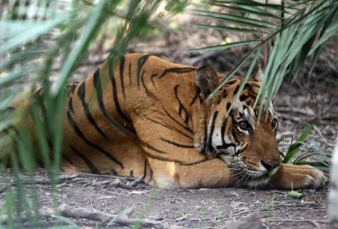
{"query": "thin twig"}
pixel 93 215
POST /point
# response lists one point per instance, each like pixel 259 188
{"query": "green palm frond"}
pixel 293 30
pixel 32 40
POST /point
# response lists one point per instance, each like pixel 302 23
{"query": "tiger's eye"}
pixel 244 125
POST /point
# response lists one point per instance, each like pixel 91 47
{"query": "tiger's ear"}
pixel 259 74
pixel 206 79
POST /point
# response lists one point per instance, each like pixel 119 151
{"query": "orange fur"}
pixel 172 134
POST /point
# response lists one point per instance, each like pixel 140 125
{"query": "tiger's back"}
pixel 118 92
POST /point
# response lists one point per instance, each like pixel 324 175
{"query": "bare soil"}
pixel 310 100
pixel 180 208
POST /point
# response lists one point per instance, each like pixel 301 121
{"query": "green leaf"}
pixel 226 28
pixel 295 194
pixel 245 21
pixel 10 78
pixel 230 74
pixel 253 4
pixel 247 75
pixel 19 33
pixel 299 60
pixel 293 149
pixel 92 27
pixel 225 46
pixel 248 10
pixel 67 221
pixel 112 221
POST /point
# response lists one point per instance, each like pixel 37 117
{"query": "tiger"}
pixel 139 115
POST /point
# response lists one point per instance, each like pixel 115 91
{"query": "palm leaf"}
pixel 293 36
pixel 35 34
pixel 294 148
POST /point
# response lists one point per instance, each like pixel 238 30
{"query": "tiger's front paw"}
pixel 298 176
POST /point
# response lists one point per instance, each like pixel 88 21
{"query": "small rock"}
pixel 181 218
pixel 253 221
pixel 158 216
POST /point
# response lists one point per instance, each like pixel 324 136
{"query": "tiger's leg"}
pixel 172 158
pixel 207 173
pixel 298 176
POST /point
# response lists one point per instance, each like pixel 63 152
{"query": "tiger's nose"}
pixel 270 165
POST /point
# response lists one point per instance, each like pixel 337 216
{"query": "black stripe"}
pixel 81 94
pixel 151 177
pixel 143 84
pixel 115 96
pixel 98 89
pixel 211 131
pixel 231 82
pixel 70 104
pixel 151 147
pixel 228 106
pixel 41 104
pixel 169 127
pixel 241 151
pixel 236 90
pixel 141 61
pixel 145 169
pixel 177 144
pixel 195 97
pixel 185 127
pixel 181 107
pixel 177 71
pixel 205 149
pixel 223 129
pixel 70 88
pixel 90 165
pixel 129 73
pixel 81 135
pixel 252 89
pixel 153 75
pixel 67 159
pixel 145 172
pixel 243 97
pixel 122 60
pixel 176 161
pixel 225 94
pixel 235 136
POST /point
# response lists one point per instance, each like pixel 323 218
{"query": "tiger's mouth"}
pixel 251 179
pixel 248 177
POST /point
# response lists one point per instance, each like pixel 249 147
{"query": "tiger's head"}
pixel 245 141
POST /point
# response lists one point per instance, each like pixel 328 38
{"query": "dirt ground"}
pixel 184 208
pixel 92 200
